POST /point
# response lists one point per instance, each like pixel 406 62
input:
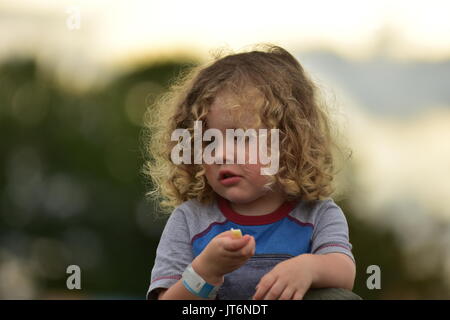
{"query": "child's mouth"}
pixel 228 179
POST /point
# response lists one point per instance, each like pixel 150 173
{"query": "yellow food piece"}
pixel 236 233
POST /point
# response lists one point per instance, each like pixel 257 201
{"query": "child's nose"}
pixel 226 151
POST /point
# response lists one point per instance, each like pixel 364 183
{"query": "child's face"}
pixel 250 185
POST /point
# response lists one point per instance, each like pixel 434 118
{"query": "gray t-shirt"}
pixel 295 228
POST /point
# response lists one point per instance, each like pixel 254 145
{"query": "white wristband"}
pixel 197 285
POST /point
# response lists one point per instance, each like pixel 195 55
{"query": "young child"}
pixel 294 236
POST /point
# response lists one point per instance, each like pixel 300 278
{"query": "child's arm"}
pixel 179 292
pixel 223 254
pixel 291 279
pixel 330 265
pixel 333 270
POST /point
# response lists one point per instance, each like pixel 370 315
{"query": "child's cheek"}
pixel 209 172
pixel 254 171
pixel 207 169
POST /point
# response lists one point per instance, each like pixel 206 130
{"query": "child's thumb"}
pixel 235 244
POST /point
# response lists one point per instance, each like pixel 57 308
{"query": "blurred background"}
pixel 77 76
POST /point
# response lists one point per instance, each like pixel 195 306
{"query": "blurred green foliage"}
pixel 71 188
pixel 71 191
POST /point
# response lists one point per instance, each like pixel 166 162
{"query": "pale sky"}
pixel 118 30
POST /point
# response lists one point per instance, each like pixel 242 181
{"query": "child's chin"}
pixel 238 198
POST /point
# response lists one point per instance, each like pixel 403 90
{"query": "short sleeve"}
pixel 173 254
pixel 331 231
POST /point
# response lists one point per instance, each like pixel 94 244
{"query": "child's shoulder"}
pixel 315 205
pixel 312 211
pixel 193 210
pixel 193 206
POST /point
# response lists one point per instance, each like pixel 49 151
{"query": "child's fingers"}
pixel 287 294
pixel 249 249
pixel 298 296
pixel 226 234
pixel 264 286
pixel 275 291
pixel 235 244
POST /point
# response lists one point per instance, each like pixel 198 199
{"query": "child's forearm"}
pixel 332 270
pixel 179 292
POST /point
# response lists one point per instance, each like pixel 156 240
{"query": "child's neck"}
pixel 261 206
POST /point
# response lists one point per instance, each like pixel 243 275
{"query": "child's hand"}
pixel 288 280
pixel 224 254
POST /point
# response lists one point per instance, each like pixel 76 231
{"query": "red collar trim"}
pixel 278 214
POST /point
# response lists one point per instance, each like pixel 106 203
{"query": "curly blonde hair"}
pixel 287 101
